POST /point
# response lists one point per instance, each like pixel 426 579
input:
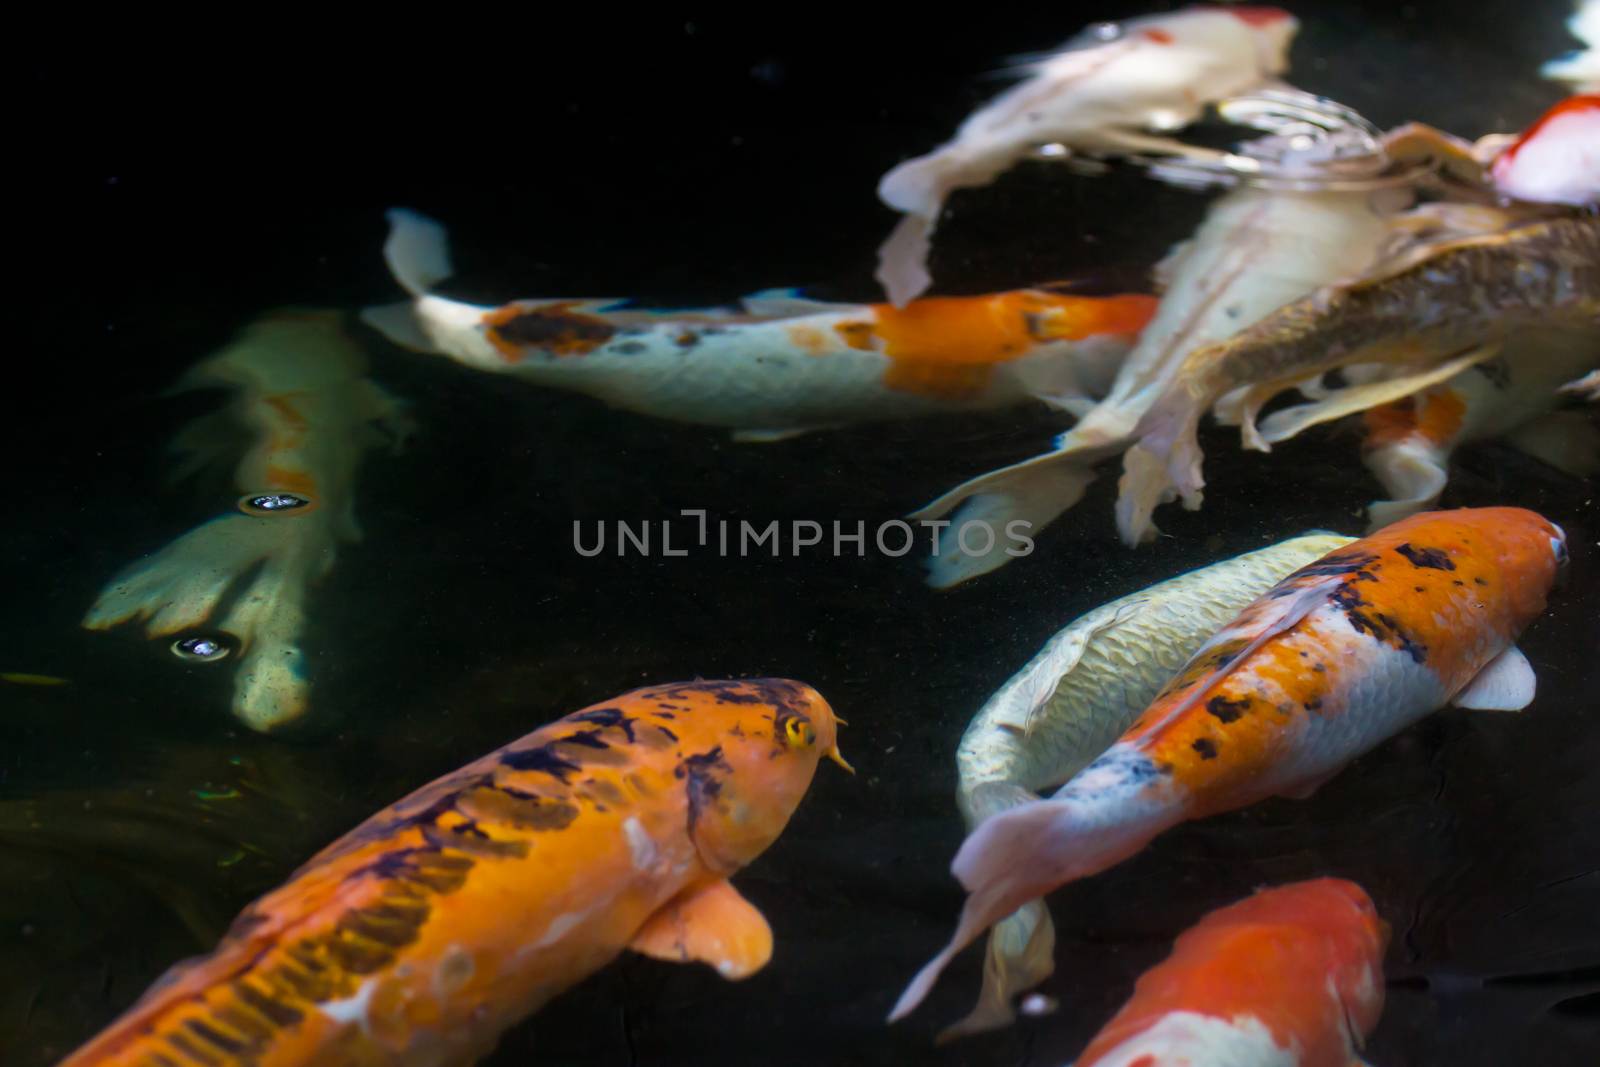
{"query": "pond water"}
pixel 176 196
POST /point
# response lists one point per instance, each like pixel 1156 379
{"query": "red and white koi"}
pixel 1289 977
pixel 419 937
pixel 1339 656
pixel 1557 159
pixel 782 365
pixel 1115 88
pixel 300 387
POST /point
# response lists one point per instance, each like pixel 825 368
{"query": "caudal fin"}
pixel 417 251
pixel 1019 856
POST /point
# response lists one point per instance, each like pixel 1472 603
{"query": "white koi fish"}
pixel 299 386
pixel 1256 250
pixel 781 366
pixel 1115 88
pixel 1339 656
pixel 1072 700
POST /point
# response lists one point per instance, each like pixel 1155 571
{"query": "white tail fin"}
pixel 1022 854
pixel 417 251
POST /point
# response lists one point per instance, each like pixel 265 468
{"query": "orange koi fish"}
pixel 1290 977
pixel 1340 655
pixel 782 364
pixel 421 935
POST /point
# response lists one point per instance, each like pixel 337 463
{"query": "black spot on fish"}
pixel 669 734
pixel 700 773
pixel 538 758
pixel 1334 563
pixel 1206 747
pixel 188 1048
pixel 1314 704
pixel 1457 581
pixel 1226 710
pixel 586 738
pixel 214 1037
pixel 1431 558
pixel 273 1010
pixel 556 330
pixel 1419 589
pixel 628 348
pixel 1319 668
pixel 609 717
pixel 1480 581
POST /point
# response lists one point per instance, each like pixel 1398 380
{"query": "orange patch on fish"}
pixel 1436 416
pixel 1304 961
pixel 1408 587
pixel 1257 16
pixel 809 339
pixel 289 480
pixel 519 330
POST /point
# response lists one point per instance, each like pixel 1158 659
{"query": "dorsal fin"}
pixel 1273 614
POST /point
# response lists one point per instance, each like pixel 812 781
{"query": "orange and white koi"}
pixel 1339 656
pixel 1581 69
pixel 300 388
pixel 1115 88
pixel 781 366
pixel 423 934
pixel 1408 443
pixel 1289 977
pixel 1257 250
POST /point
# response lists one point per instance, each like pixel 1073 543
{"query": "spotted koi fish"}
pixel 420 936
pixel 781 366
pixel 1289 977
pixel 1116 88
pixel 1343 653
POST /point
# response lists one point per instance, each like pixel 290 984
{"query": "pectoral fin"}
pixel 712 924
pixel 1506 684
pixel 1282 425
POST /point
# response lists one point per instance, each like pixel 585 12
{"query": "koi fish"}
pixel 1408 443
pixel 784 364
pixel 299 387
pixel 1339 656
pixel 1256 250
pixel 1557 159
pixel 1289 977
pixel 423 934
pixel 1431 313
pixel 1115 88
pixel 1581 69
pixel 1072 700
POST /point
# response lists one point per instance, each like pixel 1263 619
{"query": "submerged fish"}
pixel 1257 250
pixel 782 366
pixel 1557 159
pixel 299 388
pixel 1116 88
pixel 1072 700
pixel 423 934
pixel 1342 654
pixel 1432 313
pixel 1408 443
pixel 1289 977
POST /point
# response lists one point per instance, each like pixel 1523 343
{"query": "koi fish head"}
pixel 1557 159
pixel 752 748
pixel 1354 937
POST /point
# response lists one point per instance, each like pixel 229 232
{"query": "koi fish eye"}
pixel 798 733
pixel 1558 545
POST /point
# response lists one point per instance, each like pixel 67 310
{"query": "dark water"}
pixel 175 195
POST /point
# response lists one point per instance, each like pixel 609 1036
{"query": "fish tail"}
pixel 1020 855
pixel 1014 502
pixel 417 251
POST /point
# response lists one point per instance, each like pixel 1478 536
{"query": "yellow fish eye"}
pixel 798 733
